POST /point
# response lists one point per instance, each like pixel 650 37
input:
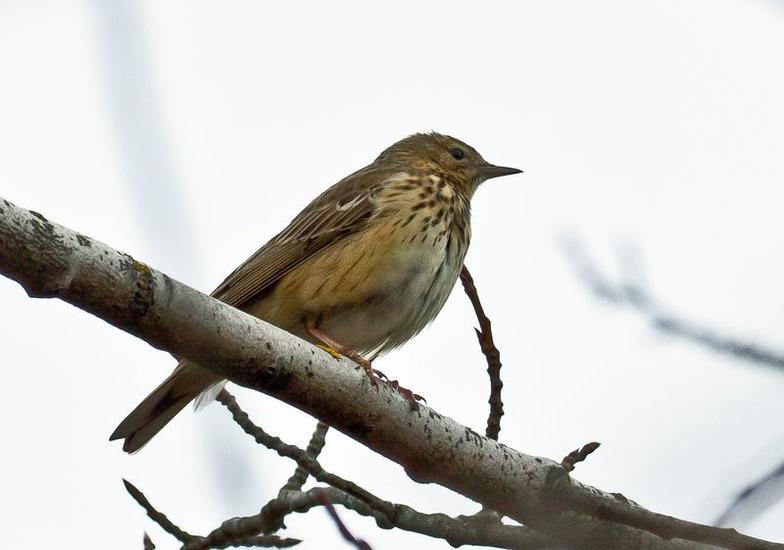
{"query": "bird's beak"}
pixel 488 171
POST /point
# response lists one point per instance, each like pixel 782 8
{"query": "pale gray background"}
pixel 188 133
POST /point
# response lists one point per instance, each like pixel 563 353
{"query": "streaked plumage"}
pixel 370 262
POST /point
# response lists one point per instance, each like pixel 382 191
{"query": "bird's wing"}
pixel 340 211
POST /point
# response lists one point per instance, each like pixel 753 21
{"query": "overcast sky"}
pixel 189 133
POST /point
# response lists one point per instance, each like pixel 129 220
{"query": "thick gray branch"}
pixel 52 261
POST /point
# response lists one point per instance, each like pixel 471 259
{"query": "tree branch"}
pixel 51 261
pixel 195 541
pixel 459 531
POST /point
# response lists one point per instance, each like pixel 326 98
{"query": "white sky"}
pixel 655 124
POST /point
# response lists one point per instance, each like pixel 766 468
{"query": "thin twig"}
pixel 473 530
pixel 194 541
pixel 256 541
pixel 158 517
pixel 273 513
pixel 148 544
pixel 485 336
pixel 345 532
pixel 298 455
pixel 316 444
pixel 578 455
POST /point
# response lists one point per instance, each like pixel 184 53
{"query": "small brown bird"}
pixel 361 270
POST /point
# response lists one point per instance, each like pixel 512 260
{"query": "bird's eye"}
pixel 457 153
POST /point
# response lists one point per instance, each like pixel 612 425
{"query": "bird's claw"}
pixel 413 398
pixel 373 375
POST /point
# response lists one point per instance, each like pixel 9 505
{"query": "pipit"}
pixel 361 270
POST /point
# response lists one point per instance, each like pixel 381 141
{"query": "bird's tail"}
pixel 151 415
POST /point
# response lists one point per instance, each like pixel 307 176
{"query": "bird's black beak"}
pixel 488 171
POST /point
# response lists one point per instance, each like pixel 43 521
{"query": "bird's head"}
pixel 443 156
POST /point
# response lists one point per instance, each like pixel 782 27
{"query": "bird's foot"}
pixel 413 398
pixel 338 350
pixel 373 375
pixel 380 375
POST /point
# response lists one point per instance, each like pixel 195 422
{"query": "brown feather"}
pixel 318 225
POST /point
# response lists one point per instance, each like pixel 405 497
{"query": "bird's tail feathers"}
pixel 151 415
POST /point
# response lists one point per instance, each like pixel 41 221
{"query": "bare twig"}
pixel 485 336
pixel 264 541
pixel 473 530
pixel 148 544
pixel 632 294
pixel 458 531
pixel 578 455
pixel 194 541
pixel 293 452
pixel 158 517
pixel 274 512
pixel 52 261
pixel 256 541
pixel 317 441
pixel 345 532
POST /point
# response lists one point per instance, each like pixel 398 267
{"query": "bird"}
pixel 359 271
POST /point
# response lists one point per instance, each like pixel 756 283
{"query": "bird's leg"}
pixel 335 346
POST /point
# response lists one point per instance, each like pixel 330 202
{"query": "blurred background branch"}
pixel 156 190
pixel 756 498
pixel 630 292
pixel 152 179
